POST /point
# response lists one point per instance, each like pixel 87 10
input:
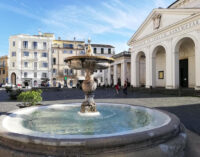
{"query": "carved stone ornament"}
pixel 156 21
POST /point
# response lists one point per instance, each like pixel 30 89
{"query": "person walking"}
pixel 125 88
pixel 117 88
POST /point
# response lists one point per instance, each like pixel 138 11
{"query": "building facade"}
pixel 119 71
pixel 3 69
pixel 61 73
pixel 102 50
pixel 165 50
pixel 30 59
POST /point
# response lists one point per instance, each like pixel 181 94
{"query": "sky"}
pixel 103 21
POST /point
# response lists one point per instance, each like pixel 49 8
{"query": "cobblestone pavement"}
pixel 186 108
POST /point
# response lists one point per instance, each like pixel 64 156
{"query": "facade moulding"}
pixel 181 27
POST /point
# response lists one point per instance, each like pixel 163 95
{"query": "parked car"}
pixel 8 85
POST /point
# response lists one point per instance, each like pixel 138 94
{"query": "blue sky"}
pixel 104 21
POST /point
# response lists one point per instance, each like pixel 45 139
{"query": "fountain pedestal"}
pixel 89 86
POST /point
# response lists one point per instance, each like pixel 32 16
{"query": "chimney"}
pixel 59 38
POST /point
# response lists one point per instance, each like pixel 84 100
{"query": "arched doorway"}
pixel 159 67
pixel 185 59
pixel 141 69
pixel 13 78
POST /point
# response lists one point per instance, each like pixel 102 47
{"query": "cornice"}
pixel 171 29
pixel 171 11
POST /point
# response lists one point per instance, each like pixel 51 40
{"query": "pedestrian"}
pixel 125 88
pixel 117 88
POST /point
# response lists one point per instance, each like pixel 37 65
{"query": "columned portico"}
pixel 172 53
pixel 115 74
pixel 122 68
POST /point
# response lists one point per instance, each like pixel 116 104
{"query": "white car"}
pixel 8 85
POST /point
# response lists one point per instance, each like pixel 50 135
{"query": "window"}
pixel 71 52
pixel 64 51
pixel 4 71
pixel 100 70
pixel 102 50
pixel 13 43
pixel 25 44
pixel 54 71
pixel 35 55
pixel 54 61
pixel 82 72
pixel 13 64
pixel 25 64
pixel 44 75
pixel 44 54
pixel 35 75
pixel 25 74
pixel 0 72
pixel 65 71
pixel 109 51
pixel 13 54
pixel 95 50
pixel 26 53
pixel 35 64
pixel 82 52
pixel 44 45
pixel 34 45
pixel 44 65
pixel 80 46
pixel 71 71
pixel 68 46
pixel 3 64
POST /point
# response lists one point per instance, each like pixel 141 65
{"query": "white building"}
pixel 120 70
pixel 102 50
pixel 165 50
pixel 30 59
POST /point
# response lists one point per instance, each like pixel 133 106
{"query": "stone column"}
pixel 123 72
pixel 175 70
pixel 197 67
pixel 109 75
pixel 170 62
pixel 134 70
pixel 115 74
pixel 148 70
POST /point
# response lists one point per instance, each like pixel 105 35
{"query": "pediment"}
pixel 160 19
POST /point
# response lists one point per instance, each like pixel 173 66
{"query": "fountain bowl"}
pixel 157 134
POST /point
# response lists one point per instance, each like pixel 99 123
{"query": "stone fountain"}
pixel 89 63
pixel 59 130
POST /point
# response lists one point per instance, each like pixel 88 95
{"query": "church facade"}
pixel 165 50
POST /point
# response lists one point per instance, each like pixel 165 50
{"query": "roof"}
pixel 172 4
pixel 2 57
pixel 122 54
pixel 69 41
pixel 101 45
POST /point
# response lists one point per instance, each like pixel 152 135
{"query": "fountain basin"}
pixel 119 130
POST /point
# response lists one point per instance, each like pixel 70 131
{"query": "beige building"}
pixel 61 73
pixel 165 48
pixel 3 69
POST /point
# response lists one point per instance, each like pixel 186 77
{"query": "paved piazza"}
pixel 186 108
